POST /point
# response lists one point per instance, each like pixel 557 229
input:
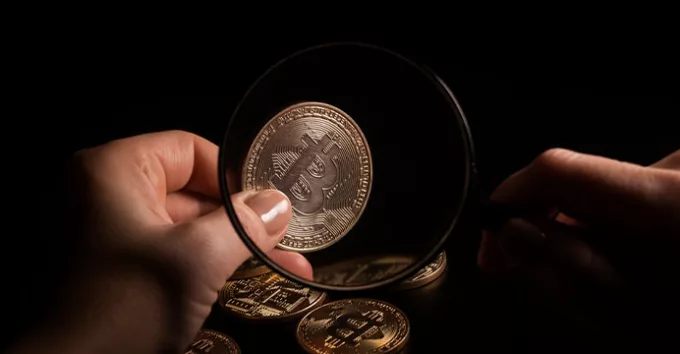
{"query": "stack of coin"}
pixel 317 155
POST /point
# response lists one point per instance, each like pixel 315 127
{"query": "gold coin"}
pixel 361 271
pixel 213 342
pixel 428 274
pixel 353 326
pixel 316 155
pixel 250 268
pixel 268 296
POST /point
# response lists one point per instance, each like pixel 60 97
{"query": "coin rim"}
pixel 218 334
pixel 319 302
pixel 344 114
pixel 408 285
pixel 396 349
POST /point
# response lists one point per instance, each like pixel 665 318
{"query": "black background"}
pixel 612 93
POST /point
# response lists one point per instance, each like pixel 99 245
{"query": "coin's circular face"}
pixel 250 268
pixel 361 271
pixel 268 297
pixel 428 274
pixel 213 342
pixel 316 155
pixel 353 326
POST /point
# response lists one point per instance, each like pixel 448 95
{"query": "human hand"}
pixel 616 237
pixel 157 244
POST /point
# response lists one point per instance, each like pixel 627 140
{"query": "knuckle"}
pixel 554 160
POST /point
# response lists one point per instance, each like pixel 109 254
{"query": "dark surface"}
pixel 522 95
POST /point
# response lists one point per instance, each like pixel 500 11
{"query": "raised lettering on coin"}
pixel 268 296
pixel 316 155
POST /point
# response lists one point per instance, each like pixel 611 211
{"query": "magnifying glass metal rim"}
pixel 469 175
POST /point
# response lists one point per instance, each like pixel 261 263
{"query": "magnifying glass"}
pixel 374 154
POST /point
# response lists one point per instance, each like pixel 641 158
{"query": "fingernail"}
pixel 273 207
pixel 520 240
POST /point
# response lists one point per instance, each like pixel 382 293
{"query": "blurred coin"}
pixel 316 155
pixel 250 268
pixel 268 296
pixel 360 271
pixel 353 326
pixel 208 341
pixel 428 274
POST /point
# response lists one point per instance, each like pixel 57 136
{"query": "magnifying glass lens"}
pixel 373 154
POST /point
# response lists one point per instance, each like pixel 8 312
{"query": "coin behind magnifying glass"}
pixel 426 275
pixel 213 342
pixel 315 154
pixel 354 326
pixel 361 271
pixel 268 297
pixel 250 268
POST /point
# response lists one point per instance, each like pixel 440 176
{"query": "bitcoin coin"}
pixel 268 296
pixel 250 268
pixel 213 342
pixel 428 274
pixel 353 326
pixel 316 155
pixel 361 271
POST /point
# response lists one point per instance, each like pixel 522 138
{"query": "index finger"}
pixel 594 189
pixel 170 161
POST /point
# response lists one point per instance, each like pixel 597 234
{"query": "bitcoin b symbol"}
pixel 351 328
pixel 313 172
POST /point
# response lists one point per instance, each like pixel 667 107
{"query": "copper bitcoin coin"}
pixel 268 297
pixel 428 274
pixel 353 326
pixel 361 271
pixel 250 268
pixel 316 155
pixel 213 342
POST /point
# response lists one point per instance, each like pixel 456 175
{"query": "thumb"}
pixel 264 216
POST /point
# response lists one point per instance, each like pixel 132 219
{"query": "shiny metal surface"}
pixel 354 326
pixel 268 297
pixel 318 156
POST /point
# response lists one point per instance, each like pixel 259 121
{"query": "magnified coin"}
pixel 353 326
pixel 213 342
pixel 316 155
pixel 361 271
pixel 428 274
pixel 268 296
pixel 250 268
